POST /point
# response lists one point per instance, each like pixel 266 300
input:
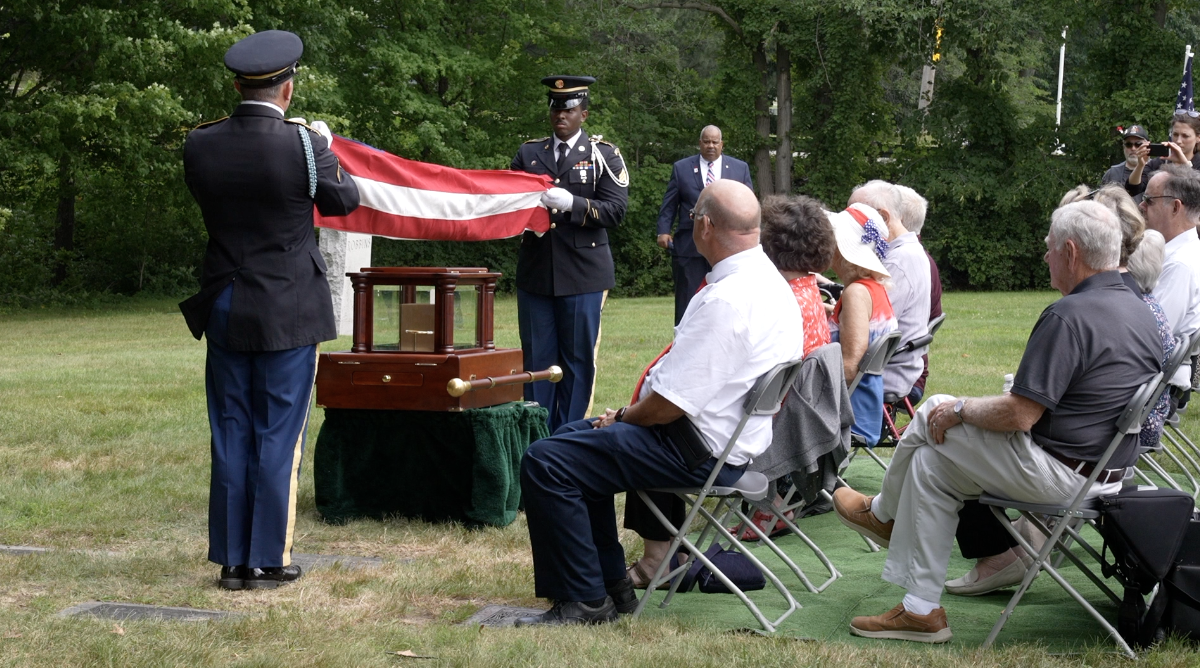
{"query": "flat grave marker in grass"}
pixel 309 562
pixel 500 616
pixel 137 612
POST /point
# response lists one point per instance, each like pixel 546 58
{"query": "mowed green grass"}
pixel 104 452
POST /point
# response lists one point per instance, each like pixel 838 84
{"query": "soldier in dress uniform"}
pixel 564 275
pixel 263 305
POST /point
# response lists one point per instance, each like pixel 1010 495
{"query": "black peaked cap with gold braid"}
pixel 265 59
pixel 567 91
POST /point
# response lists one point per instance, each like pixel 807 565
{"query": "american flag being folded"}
pixel 407 199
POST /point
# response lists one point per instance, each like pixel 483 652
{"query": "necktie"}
pixel 710 177
pixel 563 150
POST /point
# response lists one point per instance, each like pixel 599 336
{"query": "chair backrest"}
pixel 770 389
pixel 1183 352
pixel 1141 404
pixel 877 356
pixel 936 324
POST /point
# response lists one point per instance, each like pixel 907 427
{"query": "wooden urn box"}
pixel 423 341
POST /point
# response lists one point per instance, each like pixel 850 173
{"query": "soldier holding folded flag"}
pixel 564 275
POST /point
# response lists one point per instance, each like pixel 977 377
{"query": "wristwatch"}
pixel 620 414
pixel 958 407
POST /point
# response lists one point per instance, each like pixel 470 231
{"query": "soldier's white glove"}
pixel 558 198
pixel 323 130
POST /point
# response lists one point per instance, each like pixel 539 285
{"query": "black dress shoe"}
pixel 270 578
pixel 232 577
pixel 623 596
pixel 573 612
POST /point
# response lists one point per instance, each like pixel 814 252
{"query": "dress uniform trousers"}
pixel 568 482
pixel 258 406
pixel 561 330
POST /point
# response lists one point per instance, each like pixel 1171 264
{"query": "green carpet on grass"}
pixel 1047 615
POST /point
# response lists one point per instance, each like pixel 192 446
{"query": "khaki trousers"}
pixel 926 484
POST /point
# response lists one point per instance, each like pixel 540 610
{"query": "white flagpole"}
pixel 1062 58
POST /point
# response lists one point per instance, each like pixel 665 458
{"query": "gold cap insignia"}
pixel 559 83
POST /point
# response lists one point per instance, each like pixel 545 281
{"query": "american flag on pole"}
pixel 1183 101
pixel 407 199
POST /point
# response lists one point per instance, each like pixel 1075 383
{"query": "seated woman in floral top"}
pixel 798 238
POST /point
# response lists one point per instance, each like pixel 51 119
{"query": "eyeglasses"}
pixel 1147 199
pixel 1190 112
pixel 1091 195
pixel 1134 144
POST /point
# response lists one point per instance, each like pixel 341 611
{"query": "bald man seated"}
pixel 738 327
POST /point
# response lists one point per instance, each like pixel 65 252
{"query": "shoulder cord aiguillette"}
pixel 312 163
pixel 601 164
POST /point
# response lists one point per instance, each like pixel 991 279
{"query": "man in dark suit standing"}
pixel 263 305
pixel 688 177
pixel 564 275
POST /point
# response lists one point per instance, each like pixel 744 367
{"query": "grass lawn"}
pixel 104 454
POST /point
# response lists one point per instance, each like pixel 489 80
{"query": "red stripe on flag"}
pixel 362 160
pixel 501 226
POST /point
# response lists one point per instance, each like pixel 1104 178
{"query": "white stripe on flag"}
pixel 433 204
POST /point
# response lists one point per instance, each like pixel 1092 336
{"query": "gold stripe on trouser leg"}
pixel 596 355
pixel 294 482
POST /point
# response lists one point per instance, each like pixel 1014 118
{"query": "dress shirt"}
pixel 570 143
pixel 738 327
pixel 909 266
pixel 262 103
pixel 1178 292
pixel 716 167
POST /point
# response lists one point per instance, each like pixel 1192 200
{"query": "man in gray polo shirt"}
pixel 1087 355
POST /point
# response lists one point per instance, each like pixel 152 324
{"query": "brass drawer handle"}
pixel 387 378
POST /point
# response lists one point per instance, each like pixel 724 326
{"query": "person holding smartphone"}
pixel 1133 138
pixel 1181 150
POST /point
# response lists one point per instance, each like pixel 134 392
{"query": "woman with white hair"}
pixel 864 312
pixel 1145 266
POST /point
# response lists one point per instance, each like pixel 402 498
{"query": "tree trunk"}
pixel 783 122
pixel 1160 14
pixel 762 123
pixel 64 219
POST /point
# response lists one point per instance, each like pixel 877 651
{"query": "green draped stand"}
pixel 438 466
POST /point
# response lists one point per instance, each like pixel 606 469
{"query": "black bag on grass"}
pixel 1144 529
pixel 1181 589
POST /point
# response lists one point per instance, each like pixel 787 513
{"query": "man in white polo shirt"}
pixel 1171 205
pixel 739 326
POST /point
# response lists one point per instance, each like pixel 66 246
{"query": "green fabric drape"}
pixel 438 466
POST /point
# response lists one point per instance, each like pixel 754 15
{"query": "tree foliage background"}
pixel 818 95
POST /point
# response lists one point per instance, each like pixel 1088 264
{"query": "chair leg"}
pixel 780 515
pixel 1158 471
pixel 1041 564
pixel 1182 467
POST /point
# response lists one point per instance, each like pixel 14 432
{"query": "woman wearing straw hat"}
pixel 864 312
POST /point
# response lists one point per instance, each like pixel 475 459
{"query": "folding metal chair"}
pixel 1179 355
pixel 1080 508
pixel 791 502
pixel 1183 446
pixel 893 404
pixel 764 399
pixel 872 363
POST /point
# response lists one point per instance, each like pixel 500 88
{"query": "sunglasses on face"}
pixel 1137 144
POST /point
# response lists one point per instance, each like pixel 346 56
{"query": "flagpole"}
pixel 1062 58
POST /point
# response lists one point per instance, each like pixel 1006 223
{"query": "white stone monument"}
pixel 344 252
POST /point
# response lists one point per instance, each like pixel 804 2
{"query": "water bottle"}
pixel 1008 382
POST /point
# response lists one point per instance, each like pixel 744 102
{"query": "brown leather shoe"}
pixel 900 624
pixel 854 510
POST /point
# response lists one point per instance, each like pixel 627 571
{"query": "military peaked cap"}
pixel 265 59
pixel 567 91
